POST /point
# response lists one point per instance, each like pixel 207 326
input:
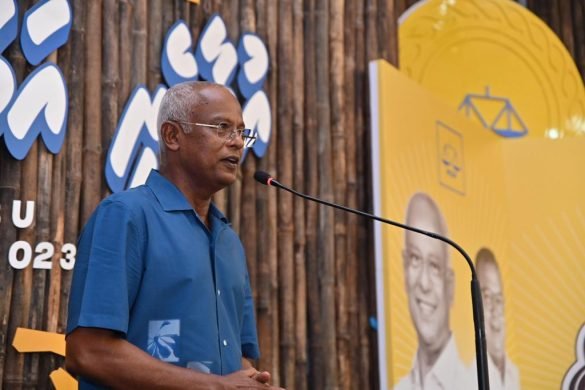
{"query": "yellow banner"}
pixel 515 206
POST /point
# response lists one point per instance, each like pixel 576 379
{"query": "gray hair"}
pixel 178 101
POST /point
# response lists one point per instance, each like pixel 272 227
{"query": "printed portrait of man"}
pixel 503 374
pixel 429 282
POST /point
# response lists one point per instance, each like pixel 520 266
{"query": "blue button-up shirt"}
pixel 149 268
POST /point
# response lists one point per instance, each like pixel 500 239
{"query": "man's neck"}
pixel 428 355
pixel 199 199
pixel 501 366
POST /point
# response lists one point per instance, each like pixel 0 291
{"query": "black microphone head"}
pixel 262 177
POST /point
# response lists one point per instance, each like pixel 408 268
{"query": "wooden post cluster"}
pixel 311 269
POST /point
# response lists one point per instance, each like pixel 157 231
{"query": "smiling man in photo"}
pixel 429 282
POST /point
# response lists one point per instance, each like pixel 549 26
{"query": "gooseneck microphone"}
pixel 478 321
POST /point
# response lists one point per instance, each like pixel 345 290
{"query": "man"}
pixel 160 295
pixel 503 374
pixel 429 282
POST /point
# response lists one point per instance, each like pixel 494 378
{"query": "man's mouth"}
pixel 233 160
pixel 426 308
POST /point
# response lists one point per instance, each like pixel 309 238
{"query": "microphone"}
pixel 476 302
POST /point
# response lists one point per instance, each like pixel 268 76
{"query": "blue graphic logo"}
pixel 40 105
pixel 496 113
pixel 163 340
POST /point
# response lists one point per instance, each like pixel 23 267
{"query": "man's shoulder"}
pixel 133 199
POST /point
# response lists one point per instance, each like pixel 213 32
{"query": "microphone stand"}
pixel 476 301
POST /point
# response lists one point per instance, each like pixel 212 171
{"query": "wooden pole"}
pixel 125 68
pixel 249 233
pixel 15 287
pixel 350 48
pixel 338 142
pixel 92 140
pixel 268 326
pixel 364 46
pixel 579 35
pixel 155 35
pixel 73 155
pixel 298 131
pixel 39 307
pixel 316 377
pixel 110 81
pixel 285 201
pixel 326 250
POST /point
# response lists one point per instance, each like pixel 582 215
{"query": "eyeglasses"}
pixel 225 132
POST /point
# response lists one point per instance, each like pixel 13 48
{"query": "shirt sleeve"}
pixel 249 334
pixel 108 270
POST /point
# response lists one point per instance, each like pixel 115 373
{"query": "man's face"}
pixel 211 160
pixel 493 305
pixel 429 281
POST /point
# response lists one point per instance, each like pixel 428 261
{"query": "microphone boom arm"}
pixel 476 301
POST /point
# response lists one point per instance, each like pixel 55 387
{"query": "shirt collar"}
pixel 442 370
pixel 171 198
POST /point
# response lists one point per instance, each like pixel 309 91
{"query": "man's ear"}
pixel 169 134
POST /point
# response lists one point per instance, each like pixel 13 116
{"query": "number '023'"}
pixel 20 255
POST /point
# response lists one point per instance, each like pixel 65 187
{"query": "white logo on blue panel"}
pixel 134 148
pixel 163 339
pixel 39 107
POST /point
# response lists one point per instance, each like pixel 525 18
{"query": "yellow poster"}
pixel 517 210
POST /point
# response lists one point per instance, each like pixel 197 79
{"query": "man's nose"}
pixel 424 279
pixel 236 140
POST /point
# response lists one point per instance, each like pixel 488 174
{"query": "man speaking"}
pixel 160 296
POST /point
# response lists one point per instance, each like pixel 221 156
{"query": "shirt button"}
pixel 225 343
pixel 218 292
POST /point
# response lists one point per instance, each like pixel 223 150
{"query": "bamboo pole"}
pixel 49 362
pixel 124 69
pixel 110 81
pixel 388 30
pixel 325 234
pixel 267 19
pixel 338 142
pixel 38 369
pixel 285 201
pixel 316 378
pixel 167 20
pixel 234 191
pixel 196 21
pixel 248 205
pixel 15 287
pixel 139 40
pixel 155 40
pixel 73 146
pixel 57 224
pixel 298 130
pixel 565 16
pixel 221 198
pixel 361 123
pixel 230 14
pixel 350 48
pixel 92 148
pixel 579 35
